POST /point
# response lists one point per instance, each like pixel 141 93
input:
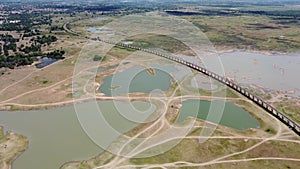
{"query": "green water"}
pixel 135 79
pixel 232 116
pixel 56 136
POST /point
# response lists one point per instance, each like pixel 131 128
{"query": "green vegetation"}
pixel 27 59
pixel 57 54
pixel 123 48
pixel 25 21
pixel 266 30
pixel 197 153
pixel 158 41
pixel 17 60
pixel 6 38
pixel 289 107
pixel 151 71
pixel 25 38
pixel 269 130
pixel 9 43
pixel 99 58
pixel 32 48
pixel 25 55
pixel 46 39
pixel 31 33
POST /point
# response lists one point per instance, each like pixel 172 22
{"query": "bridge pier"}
pixel 264 104
pixel 286 120
pixel 220 78
pixel 291 124
pixel 243 91
pixel 270 108
pixel 275 112
pixel 297 129
pixel 235 87
pixel 247 93
pixel 251 96
pixel 259 101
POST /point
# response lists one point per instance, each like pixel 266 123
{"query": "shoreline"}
pixel 263 52
pixel 15 107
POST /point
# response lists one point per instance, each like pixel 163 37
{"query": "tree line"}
pixel 20 59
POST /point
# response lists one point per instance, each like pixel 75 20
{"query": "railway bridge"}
pixel 257 100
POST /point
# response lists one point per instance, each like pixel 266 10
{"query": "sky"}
pixel 224 1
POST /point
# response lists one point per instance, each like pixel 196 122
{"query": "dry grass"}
pixel 11 146
pixel 244 32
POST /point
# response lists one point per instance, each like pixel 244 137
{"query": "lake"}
pixel 135 79
pixel 232 116
pixel 56 136
pixel 272 72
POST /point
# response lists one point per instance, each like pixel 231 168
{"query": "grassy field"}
pixel 249 32
pixel 290 107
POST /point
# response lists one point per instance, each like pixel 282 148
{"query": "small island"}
pixel 11 146
pixel 151 71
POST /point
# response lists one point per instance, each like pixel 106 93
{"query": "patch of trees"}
pixel 285 13
pixel 98 58
pixel 6 38
pixel 24 24
pixel 102 8
pixel 9 43
pixel 10 46
pixel 224 12
pixel 46 39
pixel 26 21
pixel 56 28
pixel 182 13
pixel 19 59
pixel 57 54
pixel 32 48
pixel 229 12
pixel 31 33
